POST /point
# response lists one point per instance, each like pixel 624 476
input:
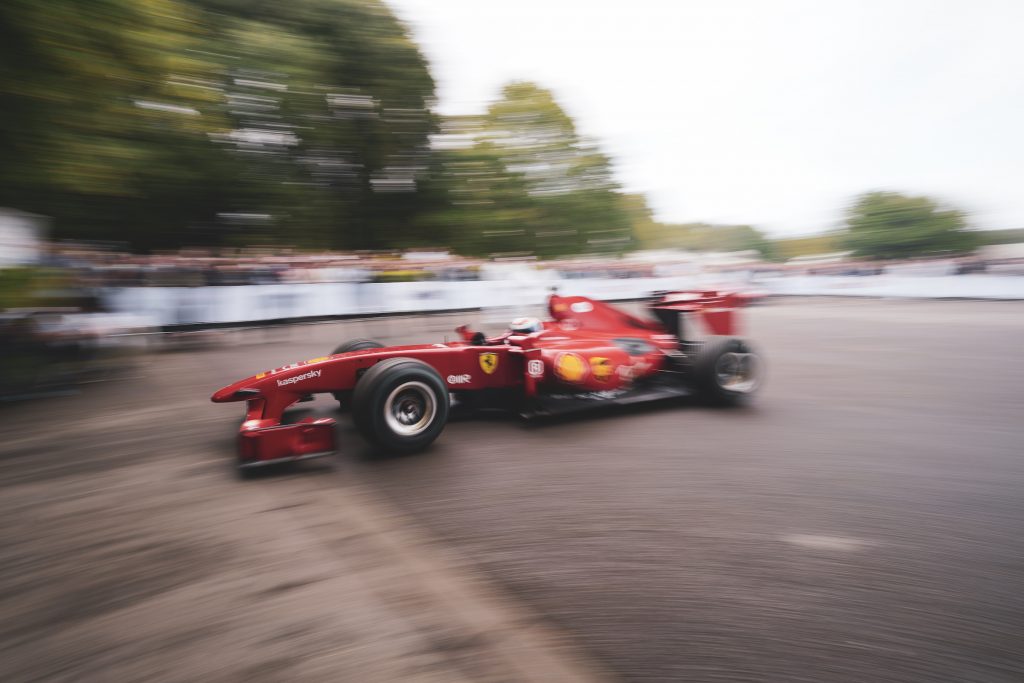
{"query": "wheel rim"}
pixel 737 372
pixel 410 408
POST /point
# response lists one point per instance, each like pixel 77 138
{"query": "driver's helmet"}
pixel 526 325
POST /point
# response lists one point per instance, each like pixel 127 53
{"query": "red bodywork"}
pixel 587 346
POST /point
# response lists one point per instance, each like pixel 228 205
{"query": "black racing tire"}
pixel 400 405
pixel 357 345
pixel 727 372
pixel 344 398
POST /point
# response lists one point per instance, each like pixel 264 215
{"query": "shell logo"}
pixel 602 368
pixel 570 367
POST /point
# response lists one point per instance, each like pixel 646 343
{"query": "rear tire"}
pixel 344 398
pixel 727 372
pixel 400 405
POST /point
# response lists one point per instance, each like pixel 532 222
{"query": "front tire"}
pixel 400 405
pixel 727 372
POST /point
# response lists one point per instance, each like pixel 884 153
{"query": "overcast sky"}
pixel 767 112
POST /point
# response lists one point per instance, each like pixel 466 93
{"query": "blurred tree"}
pixel 812 245
pixel 891 225
pixel 519 179
pixel 705 237
pixel 1006 236
pixel 481 207
pixel 91 123
pixel 567 178
pixel 647 232
pixel 169 122
pixel 652 234
pixel 330 103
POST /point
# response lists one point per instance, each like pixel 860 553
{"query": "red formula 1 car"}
pixel 588 354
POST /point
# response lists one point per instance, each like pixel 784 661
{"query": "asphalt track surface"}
pixel 862 521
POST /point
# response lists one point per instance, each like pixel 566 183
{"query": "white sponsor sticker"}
pixel 535 368
pixel 459 379
pixel 298 378
pixel 582 307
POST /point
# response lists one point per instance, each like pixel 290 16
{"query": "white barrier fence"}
pixel 162 306
pixel 972 286
pixel 250 303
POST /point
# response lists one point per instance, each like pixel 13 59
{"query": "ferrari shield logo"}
pixel 489 362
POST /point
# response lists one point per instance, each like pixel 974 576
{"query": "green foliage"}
pixel 828 243
pixel 400 276
pixel 520 179
pixel 24 287
pixel 1011 236
pixel 482 206
pixel 704 237
pixel 169 122
pixel 651 234
pixel 890 225
pixel 77 138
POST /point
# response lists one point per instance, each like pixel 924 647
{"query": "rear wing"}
pixel 684 313
pixel 589 314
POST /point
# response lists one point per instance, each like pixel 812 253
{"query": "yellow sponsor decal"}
pixel 570 367
pixel 261 375
pixel 602 368
pixel 489 362
pixel 316 360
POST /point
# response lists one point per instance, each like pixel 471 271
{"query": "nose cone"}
pixel 223 395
